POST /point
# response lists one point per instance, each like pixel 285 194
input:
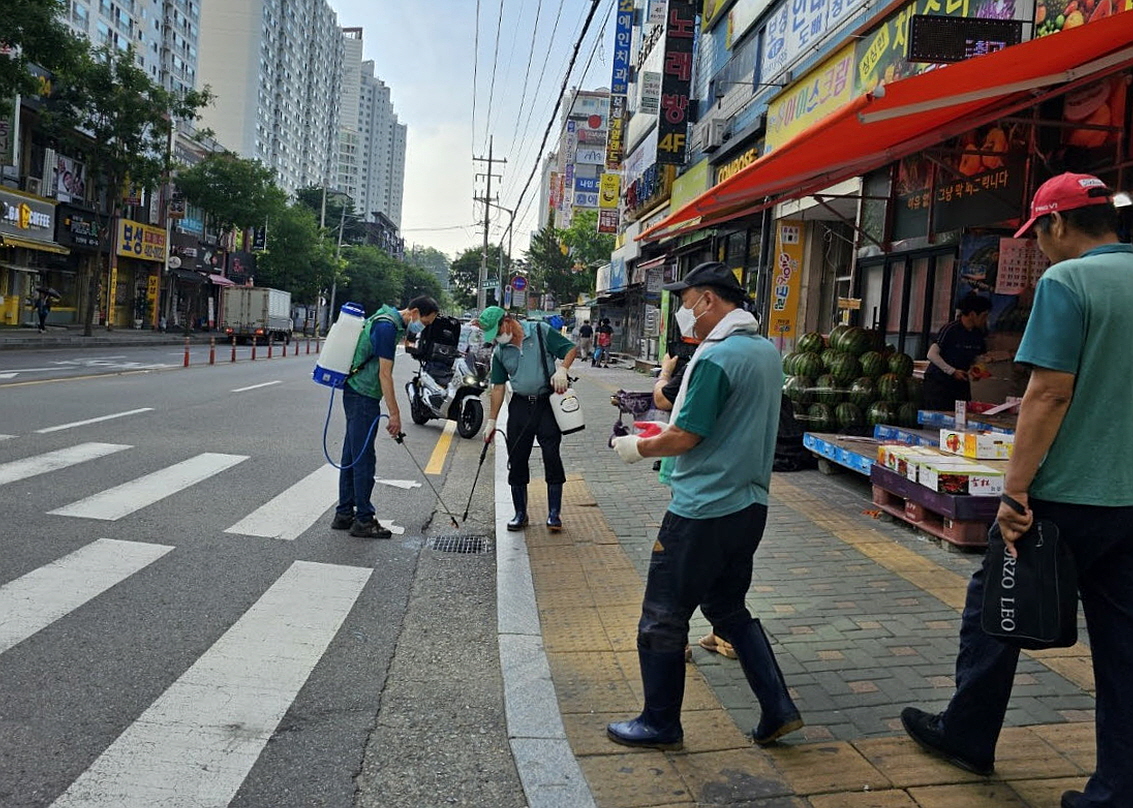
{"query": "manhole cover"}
pixel 459 544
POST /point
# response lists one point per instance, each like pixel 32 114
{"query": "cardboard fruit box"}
pixel 977 445
pixel 957 476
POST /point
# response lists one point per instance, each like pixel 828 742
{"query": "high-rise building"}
pixel 350 102
pixel 275 67
pixel 571 173
pixel 163 33
pixel 382 161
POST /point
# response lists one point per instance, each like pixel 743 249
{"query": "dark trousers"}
pixel 699 562
pixel 942 392
pixel 1101 540
pixel 356 484
pixel 529 417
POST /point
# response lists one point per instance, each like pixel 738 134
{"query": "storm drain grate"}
pixel 470 545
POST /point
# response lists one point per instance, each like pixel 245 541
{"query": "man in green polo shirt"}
pixel 525 355
pixel 1073 465
pixel 722 433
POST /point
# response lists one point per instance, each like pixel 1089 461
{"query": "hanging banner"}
pixel 676 80
pixel 609 189
pixel 608 220
pixel 615 136
pixel 787 280
pixel 623 42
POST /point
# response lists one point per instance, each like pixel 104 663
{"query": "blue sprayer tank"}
pixel 337 354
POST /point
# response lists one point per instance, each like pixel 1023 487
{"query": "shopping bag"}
pixel 1030 601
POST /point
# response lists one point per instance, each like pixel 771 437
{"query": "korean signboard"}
pixel 615 138
pixel 825 89
pixel 741 17
pixel 608 220
pixel 881 56
pixel 590 155
pixel 787 279
pixel 588 184
pixel 676 78
pixel 26 216
pixel 591 137
pixel 650 92
pixel 609 189
pixel 554 186
pixel 142 241
pixel 737 164
pixel 78 228
pixel 623 41
pixel 586 199
pixel 797 26
pixel 710 12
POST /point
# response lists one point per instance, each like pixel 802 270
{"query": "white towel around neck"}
pixel 737 320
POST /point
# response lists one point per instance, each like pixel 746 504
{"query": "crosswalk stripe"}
pixel 53 461
pixel 88 421
pixel 293 511
pixel 195 745
pixel 122 500
pixel 34 601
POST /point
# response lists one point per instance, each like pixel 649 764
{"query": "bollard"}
pixel 212 350
pixel 253 349
pixel 271 343
pixel 308 346
pixel 296 347
pixel 186 353
pixel 234 349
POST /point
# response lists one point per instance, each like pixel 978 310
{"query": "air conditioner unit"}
pixel 715 135
pixel 33 185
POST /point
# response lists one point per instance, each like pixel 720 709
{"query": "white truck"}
pixel 253 311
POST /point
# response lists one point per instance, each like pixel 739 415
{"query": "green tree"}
pixel 296 259
pixel 233 191
pixel 108 107
pixel 419 282
pixel 429 258
pixel 550 267
pixel 371 277
pixel 464 274
pixel 586 245
pixel 34 33
pixel 339 211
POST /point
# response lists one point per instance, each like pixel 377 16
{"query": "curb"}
pixel 547 767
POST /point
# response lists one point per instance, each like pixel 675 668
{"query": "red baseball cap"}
pixel 1066 192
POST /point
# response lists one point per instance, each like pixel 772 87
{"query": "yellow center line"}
pixel 437 459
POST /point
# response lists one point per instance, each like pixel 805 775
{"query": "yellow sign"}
pixel 710 12
pixel 823 90
pixel 733 167
pixel 609 188
pixel 152 294
pixel 690 185
pixel 787 271
pixel 143 241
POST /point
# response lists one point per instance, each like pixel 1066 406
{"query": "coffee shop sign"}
pixel 25 218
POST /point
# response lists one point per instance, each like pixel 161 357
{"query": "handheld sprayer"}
pixel 335 362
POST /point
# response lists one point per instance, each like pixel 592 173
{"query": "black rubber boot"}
pixel 659 725
pixel 779 714
pixel 519 500
pixel 554 507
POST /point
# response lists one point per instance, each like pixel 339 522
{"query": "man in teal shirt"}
pixel 525 355
pixel 1071 465
pixel 722 433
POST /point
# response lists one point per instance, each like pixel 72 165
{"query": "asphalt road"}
pixel 176 616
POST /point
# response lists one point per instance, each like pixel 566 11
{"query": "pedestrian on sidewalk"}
pixel 1071 466
pixel 368 384
pixel 42 307
pixel 604 336
pixel 722 435
pixel 585 340
pixel 525 355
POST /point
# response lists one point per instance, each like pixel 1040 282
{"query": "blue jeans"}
pixel 699 562
pixel 356 484
pixel 1101 540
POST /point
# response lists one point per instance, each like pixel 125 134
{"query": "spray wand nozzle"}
pixel 400 438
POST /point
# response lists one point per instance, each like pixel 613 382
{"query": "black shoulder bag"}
pixel 1031 601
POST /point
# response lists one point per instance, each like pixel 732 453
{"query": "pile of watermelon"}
pixel 850 381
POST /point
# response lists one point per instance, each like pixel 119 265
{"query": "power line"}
pixel 495 62
pixel 527 71
pixel 475 72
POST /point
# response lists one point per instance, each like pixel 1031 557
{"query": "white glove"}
pixel 560 381
pixel 489 430
pixel 626 447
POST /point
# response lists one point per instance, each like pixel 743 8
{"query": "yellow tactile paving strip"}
pixel 589 595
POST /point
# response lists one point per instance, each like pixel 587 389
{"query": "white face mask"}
pixel 686 319
pixel 503 338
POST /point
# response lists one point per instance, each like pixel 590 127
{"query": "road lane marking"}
pixel 255 387
pixel 293 511
pixel 440 451
pixel 6 437
pixel 122 500
pixel 92 420
pixel 195 745
pixel 53 461
pixel 36 600
pixel 404 484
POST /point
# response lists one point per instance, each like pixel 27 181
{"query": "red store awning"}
pixel 910 115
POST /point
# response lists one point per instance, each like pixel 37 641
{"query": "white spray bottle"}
pixel 337 354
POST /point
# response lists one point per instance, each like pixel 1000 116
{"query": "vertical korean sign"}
pixel 619 85
pixel 676 82
pixel 785 286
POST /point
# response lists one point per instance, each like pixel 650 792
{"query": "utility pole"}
pixel 510 258
pixel 481 292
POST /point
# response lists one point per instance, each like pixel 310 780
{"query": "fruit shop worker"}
pixel 722 433
pixel 517 358
pixel 953 354
pixel 369 383
pixel 1073 442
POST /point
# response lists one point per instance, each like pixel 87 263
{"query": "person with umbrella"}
pixel 43 299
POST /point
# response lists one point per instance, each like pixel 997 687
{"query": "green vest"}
pixel 364 376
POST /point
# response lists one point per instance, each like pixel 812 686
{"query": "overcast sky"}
pixel 427 53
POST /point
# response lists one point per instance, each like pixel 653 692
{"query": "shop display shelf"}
pixel 887 433
pixel 960 520
pixel 855 453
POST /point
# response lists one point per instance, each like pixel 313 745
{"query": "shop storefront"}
pixel 30 258
pixel 77 230
pixel 134 283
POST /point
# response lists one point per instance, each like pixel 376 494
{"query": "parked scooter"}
pixel 447 387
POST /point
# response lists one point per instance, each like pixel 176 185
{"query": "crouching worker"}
pixel 722 433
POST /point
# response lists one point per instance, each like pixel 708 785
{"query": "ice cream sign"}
pixel 27 216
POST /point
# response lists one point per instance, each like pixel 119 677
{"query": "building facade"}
pixel 275 67
pixel 382 143
pixel 349 139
